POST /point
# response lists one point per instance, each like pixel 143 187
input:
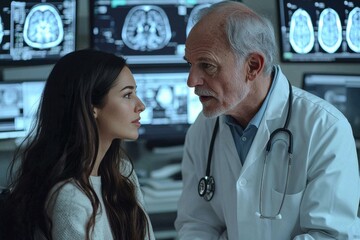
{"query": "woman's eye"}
pixel 128 95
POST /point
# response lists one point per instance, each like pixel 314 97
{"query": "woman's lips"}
pixel 137 122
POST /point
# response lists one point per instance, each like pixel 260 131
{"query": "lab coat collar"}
pixel 278 100
pixel 273 118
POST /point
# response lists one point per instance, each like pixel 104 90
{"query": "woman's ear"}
pixel 255 65
pixel 95 112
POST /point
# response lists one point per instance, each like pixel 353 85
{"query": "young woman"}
pixel 73 179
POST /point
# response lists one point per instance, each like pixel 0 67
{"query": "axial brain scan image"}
pixel 146 28
pixel 1 30
pixel 353 30
pixel 43 27
pixel 301 32
pixel 330 34
pixel 145 32
pixel 36 31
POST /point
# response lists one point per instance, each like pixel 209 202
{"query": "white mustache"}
pixel 204 92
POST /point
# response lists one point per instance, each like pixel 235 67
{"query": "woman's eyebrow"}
pixel 128 87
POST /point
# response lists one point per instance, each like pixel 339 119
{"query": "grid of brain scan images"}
pixel 146 32
pixel 36 30
pixel 320 30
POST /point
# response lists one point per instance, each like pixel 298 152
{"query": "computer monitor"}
pixel 145 32
pixel 319 31
pixel 171 106
pixel 341 90
pixel 36 31
pixel 19 102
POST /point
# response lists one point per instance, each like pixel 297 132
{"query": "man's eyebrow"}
pixel 206 59
pixel 201 59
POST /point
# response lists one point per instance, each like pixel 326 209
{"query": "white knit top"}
pixel 70 210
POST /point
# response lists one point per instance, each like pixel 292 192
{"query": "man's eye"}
pixel 209 68
pixel 207 65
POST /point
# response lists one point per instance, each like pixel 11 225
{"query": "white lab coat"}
pixel 323 191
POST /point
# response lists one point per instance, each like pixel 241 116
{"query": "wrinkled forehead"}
pixel 215 19
pixel 210 30
pixel 212 22
pixel 207 34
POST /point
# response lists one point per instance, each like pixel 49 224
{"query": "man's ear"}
pixel 255 65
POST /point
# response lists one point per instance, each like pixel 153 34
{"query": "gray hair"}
pixel 247 32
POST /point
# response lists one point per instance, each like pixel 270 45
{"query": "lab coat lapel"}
pixel 229 148
pixel 273 119
pixel 258 147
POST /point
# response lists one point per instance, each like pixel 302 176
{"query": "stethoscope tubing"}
pixel 206 185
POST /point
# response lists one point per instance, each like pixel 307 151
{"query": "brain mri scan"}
pixel 43 27
pixel 36 31
pixel 146 28
pixel 329 30
pixel 301 32
pixel 353 30
pixel 1 30
pixel 145 32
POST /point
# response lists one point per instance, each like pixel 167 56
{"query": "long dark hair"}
pixel 64 145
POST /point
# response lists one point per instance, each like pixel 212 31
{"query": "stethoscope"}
pixel 206 186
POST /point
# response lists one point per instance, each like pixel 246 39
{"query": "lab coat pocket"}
pixel 288 225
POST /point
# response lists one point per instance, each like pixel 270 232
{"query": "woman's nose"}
pixel 140 106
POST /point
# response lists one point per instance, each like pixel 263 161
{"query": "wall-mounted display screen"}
pixel 145 32
pixel 171 106
pixel 342 91
pixel 36 31
pixel 19 102
pixel 320 31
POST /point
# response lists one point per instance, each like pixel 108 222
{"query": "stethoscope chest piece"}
pixel 206 187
